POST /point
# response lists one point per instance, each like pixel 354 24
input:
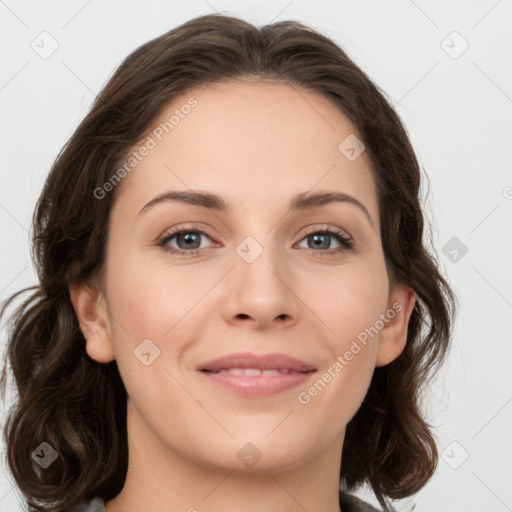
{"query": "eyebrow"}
pixel 300 202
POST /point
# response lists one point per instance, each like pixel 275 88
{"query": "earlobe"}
pixel 91 310
pixel 393 337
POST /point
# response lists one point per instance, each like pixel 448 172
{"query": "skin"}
pixel 256 144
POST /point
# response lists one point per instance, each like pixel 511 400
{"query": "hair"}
pixel 77 405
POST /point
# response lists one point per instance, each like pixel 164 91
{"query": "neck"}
pixel 161 480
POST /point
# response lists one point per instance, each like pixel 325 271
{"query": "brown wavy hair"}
pixel 79 406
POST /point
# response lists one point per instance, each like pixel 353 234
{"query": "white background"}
pixel 458 112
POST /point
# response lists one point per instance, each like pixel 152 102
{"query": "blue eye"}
pixel 191 237
pixel 317 238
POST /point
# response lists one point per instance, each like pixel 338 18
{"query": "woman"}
pixel 236 308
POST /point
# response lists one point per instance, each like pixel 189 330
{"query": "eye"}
pixel 321 239
pixel 190 239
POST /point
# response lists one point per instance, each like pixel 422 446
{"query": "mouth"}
pixel 253 371
pixel 251 374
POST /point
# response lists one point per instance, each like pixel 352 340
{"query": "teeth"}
pixel 252 372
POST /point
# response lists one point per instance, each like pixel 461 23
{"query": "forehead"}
pixel 250 141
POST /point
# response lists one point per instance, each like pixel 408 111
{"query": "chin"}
pixel 259 454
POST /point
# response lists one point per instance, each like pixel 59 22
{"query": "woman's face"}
pixel 256 277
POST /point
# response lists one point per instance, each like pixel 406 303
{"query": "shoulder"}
pixel 350 503
pixel 94 505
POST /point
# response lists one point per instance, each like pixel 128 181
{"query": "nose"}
pixel 259 290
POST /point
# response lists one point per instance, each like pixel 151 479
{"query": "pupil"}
pixel 189 238
pixel 316 237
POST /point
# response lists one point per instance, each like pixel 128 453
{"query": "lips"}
pixel 247 363
pixel 257 375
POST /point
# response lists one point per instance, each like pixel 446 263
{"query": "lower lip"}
pixel 258 384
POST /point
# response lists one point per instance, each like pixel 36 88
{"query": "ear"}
pixel 91 310
pixel 393 335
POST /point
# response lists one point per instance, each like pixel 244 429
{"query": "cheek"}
pixel 155 302
pixel 349 301
pixel 136 304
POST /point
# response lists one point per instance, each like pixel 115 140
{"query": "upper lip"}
pixel 262 362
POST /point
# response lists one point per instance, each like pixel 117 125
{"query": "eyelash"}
pixel 346 242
